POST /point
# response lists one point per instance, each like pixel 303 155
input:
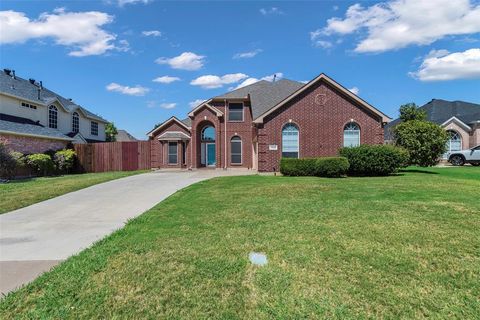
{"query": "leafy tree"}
pixel 425 141
pixel 411 111
pixel 111 132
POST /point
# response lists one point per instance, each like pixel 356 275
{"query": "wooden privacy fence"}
pixel 113 156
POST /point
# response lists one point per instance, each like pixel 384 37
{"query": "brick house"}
pixel 34 119
pixel 460 119
pixel 255 126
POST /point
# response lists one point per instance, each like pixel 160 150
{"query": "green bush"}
pixel 41 163
pixel 320 167
pixel 8 163
pixel 375 160
pixel 64 160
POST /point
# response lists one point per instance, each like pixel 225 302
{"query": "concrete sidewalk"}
pixel 35 238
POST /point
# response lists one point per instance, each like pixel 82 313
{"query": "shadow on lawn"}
pixel 416 171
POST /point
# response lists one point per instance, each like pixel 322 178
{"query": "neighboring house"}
pixel 123 135
pixel 460 119
pixel 35 119
pixel 255 126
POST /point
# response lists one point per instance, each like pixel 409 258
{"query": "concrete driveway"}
pixel 35 238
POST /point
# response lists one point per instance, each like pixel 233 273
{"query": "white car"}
pixel 459 158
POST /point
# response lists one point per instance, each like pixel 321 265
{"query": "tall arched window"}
pixel 351 135
pixel 236 150
pixel 208 133
pixel 52 117
pixel 290 141
pixel 75 122
pixel 454 142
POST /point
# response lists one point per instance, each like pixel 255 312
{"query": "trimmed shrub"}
pixel 375 160
pixel 41 163
pixel 8 163
pixel 320 167
pixel 64 160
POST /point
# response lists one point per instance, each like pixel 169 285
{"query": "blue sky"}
pixel 106 54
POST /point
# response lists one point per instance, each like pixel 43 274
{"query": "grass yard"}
pixel 406 246
pixel 21 193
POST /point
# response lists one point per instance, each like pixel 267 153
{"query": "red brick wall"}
pixel 29 145
pixel 159 149
pixel 320 125
pixel 242 129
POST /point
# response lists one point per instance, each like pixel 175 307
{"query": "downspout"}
pixel 225 147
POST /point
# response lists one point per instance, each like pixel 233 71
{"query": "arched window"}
pixel 208 133
pixel 351 135
pixel 75 122
pixel 236 150
pixel 52 117
pixel 454 142
pixel 290 141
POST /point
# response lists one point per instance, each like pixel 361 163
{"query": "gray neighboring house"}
pixel 461 120
pixel 35 119
pixel 123 135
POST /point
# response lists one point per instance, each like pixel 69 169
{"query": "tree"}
pixel 425 141
pixel 411 111
pixel 111 132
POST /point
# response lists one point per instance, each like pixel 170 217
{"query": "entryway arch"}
pixel 208 144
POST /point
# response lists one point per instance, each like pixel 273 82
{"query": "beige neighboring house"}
pixel 35 119
pixel 460 119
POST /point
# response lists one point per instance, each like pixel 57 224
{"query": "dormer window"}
pixel 235 112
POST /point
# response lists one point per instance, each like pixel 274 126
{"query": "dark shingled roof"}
pixel 27 126
pixel 439 111
pixel 22 88
pixel 187 122
pixel 123 135
pixel 264 94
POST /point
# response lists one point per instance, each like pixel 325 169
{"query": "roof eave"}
pixel 35 135
pixel 173 118
pixel 458 121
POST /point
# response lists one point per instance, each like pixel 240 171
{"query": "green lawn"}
pixel 405 246
pixel 21 193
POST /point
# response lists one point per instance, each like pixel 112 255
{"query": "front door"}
pixel 211 159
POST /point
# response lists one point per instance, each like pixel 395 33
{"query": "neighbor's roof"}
pixel 21 126
pixel 439 111
pixel 264 95
pixel 23 89
pixel 123 135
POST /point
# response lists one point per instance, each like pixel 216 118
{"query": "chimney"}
pixel 32 81
pixel 41 85
pixel 274 77
pixel 7 71
pixel 13 74
pixel 38 93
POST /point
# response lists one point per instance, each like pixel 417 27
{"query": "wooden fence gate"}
pixel 113 156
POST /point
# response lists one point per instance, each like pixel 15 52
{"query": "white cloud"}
pixel 212 81
pixel 170 105
pixel 80 31
pixel 131 91
pixel 152 33
pixel 252 80
pixel 186 61
pixel 271 11
pixel 245 55
pixel 400 23
pixel 166 79
pixel 121 3
pixel 440 65
pixel 195 103
pixel 354 90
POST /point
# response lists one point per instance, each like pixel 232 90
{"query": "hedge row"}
pixel 375 160
pixel 320 167
pixel 365 160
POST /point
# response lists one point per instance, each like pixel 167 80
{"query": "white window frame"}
pixel 52 117
pixel 243 112
pixel 298 137
pixel 241 151
pixel 75 118
pixel 359 134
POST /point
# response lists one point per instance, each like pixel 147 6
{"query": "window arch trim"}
pixel 75 122
pixel 354 133
pixel 233 153
pixel 52 117
pixel 289 151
